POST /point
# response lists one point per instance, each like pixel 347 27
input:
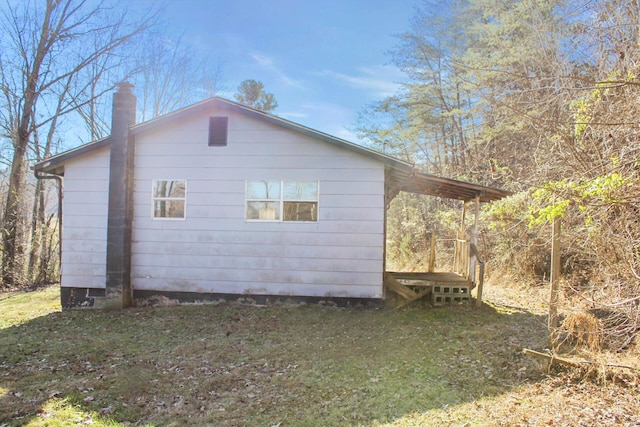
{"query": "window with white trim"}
pixel 169 198
pixel 291 201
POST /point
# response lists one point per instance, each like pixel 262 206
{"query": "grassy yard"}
pixel 286 365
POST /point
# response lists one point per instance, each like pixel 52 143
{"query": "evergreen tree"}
pixel 251 93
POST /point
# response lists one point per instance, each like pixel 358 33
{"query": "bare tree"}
pixel 47 48
pixel 171 75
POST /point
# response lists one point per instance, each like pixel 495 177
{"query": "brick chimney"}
pixel 119 293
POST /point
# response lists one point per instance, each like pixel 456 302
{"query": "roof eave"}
pixel 416 181
pixel 404 175
pixel 55 164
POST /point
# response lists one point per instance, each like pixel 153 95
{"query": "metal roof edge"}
pixel 236 107
pixel 464 183
pixel 403 167
pixel 49 163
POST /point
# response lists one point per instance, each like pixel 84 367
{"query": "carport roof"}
pixel 412 180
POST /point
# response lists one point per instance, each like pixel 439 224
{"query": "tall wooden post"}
pixel 473 238
pixel 432 252
pixel 473 261
pixel 459 264
pixel 555 276
pixel 464 215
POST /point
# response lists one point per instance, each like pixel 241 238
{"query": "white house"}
pixel 219 199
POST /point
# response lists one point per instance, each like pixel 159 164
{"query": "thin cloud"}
pixel 333 114
pixel 270 64
pixel 380 80
pixel 293 115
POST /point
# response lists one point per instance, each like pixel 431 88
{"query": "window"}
pixel 168 199
pixel 300 201
pixel 263 200
pixel 282 201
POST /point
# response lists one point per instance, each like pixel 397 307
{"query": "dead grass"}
pixel 237 365
pixel 583 330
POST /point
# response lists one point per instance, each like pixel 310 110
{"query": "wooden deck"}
pixel 443 287
pixel 434 277
pixel 412 286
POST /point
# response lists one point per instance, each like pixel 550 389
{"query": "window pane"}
pixel 266 190
pixel 301 190
pixel 173 189
pixel 301 211
pixel 263 210
pixel 168 209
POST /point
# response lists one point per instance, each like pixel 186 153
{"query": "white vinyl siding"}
pixel 84 230
pixel 216 249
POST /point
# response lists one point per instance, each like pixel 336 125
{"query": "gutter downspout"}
pixel 38 175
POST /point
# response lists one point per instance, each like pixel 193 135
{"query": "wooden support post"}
pixel 432 252
pixel 555 286
pixel 480 286
pixel 474 261
pixel 459 262
pixel 464 214
pixel 476 218
pixel 473 238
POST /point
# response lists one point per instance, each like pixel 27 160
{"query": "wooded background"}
pixel 539 97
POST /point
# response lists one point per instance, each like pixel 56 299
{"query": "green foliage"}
pixel 552 200
pixel 504 213
pixel 583 108
pixel 549 213
pixel 252 93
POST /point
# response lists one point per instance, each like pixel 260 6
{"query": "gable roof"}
pixel 400 175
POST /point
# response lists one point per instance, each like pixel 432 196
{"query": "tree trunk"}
pixel 12 247
pixel 35 265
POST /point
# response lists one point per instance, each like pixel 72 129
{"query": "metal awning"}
pixel 412 180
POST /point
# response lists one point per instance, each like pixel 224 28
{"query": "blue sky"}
pixel 324 61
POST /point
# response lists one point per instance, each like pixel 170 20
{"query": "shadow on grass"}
pixel 230 364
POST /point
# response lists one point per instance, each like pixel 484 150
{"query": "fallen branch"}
pixel 551 358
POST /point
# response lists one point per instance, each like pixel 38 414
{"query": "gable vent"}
pixel 218 131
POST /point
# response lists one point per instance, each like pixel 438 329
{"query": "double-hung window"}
pixel 263 200
pixel 291 201
pixel 169 198
pixel 300 201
